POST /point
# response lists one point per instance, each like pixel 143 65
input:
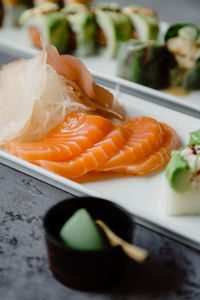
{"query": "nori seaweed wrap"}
pixel 145 22
pixel 183 40
pixel 113 27
pixel 83 29
pixel 145 62
pixel 12 11
pixel 46 24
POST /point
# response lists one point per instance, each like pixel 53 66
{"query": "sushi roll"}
pixel 83 29
pixel 145 22
pixel 183 40
pixel 181 186
pixel 46 25
pixel 113 28
pixel 12 11
pixel 145 62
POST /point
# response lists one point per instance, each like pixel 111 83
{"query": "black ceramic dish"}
pixel 86 269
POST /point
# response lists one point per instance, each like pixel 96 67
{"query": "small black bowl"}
pixel 86 269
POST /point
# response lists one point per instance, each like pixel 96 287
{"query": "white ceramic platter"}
pixel 139 195
pixel 15 39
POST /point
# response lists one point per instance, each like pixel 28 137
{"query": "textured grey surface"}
pixel 172 272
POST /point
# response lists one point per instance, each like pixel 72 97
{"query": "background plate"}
pixel 139 195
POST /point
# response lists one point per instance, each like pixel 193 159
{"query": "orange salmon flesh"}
pixel 85 143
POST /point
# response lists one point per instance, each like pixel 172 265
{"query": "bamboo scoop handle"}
pixel 136 253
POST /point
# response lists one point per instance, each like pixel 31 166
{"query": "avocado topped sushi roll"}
pixel 113 28
pixel 181 186
pixel 145 62
pixel 83 29
pixel 183 40
pixel 12 11
pixel 46 24
pixel 145 22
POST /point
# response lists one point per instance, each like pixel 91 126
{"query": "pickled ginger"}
pixel 36 94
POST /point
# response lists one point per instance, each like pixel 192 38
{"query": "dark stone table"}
pixel 172 271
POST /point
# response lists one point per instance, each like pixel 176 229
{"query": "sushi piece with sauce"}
pixel 83 29
pixel 145 62
pixel 113 28
pixel 12 11
pixel 46 25
pixel 183 40
pixel 181 186
pixel 145 22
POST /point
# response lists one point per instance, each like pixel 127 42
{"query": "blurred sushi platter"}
pixel 52 94
pixel 124 44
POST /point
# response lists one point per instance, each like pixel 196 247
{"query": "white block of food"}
pixel 172 202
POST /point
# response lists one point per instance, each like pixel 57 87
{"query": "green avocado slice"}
pixel 83 26
pixel 178 173
pixel 116 27
pixel 80 232
pixel 195 137
pixel 51 24
pixel 56 28
pixel 144 21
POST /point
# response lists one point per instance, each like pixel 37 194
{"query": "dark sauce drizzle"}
pixel 194 151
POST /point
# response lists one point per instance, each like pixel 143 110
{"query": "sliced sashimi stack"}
pixel 84 143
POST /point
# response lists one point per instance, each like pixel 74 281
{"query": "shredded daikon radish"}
pixel 36 94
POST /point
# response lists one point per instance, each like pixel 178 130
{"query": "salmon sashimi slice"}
pixel 92 157
pixel 78 132
pixel 146 136
pixel 157 160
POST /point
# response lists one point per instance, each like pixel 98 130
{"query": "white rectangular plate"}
pixel 139 195
pixel 15 39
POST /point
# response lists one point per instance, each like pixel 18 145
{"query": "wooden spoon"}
pixel 136 253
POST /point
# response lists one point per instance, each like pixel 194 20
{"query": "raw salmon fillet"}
pixel 154 162
pixel 78 132
pixel 92 157
pixel 146 136
pixel 85 143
